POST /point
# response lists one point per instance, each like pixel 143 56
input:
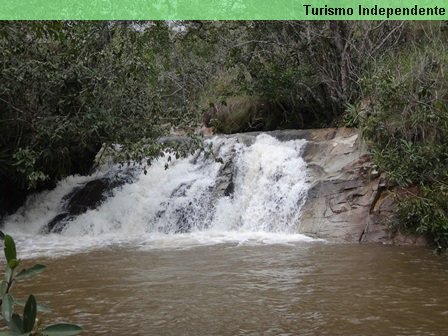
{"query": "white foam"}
pixel 265 207
pixel 41 208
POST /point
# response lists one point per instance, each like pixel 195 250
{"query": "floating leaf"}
pixel 30 272
pixel 29 314
pixel 7 307
pixel 62 329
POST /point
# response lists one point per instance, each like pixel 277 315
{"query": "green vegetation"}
pixel 67 89
pixel 28 323
pixel 405 118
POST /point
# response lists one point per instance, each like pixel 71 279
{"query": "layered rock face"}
pixel 344 188
pixel 348 200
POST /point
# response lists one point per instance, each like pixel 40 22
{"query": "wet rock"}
pixel 57 224
pixel 348 199
pixel 181 191
pixel 230 189
pixel 85 198
pixel 90 196
pixel 225 185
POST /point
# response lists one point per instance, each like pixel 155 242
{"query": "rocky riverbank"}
pixel 349 200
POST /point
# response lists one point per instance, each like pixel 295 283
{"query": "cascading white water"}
pixel 255 196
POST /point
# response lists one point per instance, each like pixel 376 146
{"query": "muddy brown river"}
pixel 228 289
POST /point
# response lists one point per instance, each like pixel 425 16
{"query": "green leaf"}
pixel 16 324
pixel 7 307
pixel 3 287
pixel 62 329
pixel 10 248
pixel 29 314
pixel 30 272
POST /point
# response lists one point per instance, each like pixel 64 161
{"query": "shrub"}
pixel 404 117
pixel 425 214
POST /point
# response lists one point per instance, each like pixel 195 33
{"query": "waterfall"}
pixel 254 194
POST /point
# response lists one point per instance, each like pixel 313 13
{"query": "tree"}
pixel 68 88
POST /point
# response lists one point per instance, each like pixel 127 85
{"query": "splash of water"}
pixel 255 196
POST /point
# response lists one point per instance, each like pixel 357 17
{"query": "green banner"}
pixel 223 10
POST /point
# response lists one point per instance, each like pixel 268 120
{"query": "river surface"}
pixel 302 288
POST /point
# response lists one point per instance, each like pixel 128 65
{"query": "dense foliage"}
pixel 66 89
pixel 404 115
